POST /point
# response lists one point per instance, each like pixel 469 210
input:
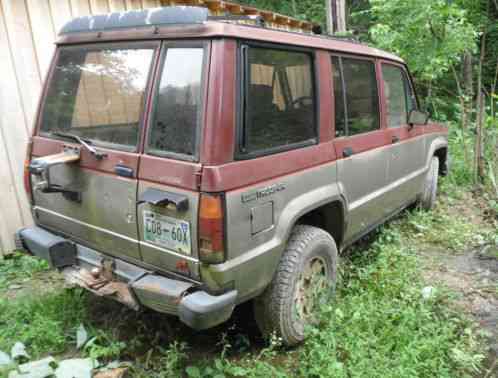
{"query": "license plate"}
pixel 167 232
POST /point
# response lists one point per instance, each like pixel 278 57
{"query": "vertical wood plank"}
pixel 117 5
pixel 13 138
pixel 61 13
pixel 43 32
pixel 80 8
pixel 151 3
pixel 99 6
pixel 20 44
pixel 133 4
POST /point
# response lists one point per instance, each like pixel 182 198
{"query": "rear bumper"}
pixel 128 283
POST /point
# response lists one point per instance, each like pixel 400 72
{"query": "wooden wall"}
pixel 28 29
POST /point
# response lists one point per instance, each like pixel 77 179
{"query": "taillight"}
pixel 211 229
pixel 27 175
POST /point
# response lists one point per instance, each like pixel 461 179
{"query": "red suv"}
pixel 189 164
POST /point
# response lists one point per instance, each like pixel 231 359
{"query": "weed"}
pixel 44 324
pixel 19 267
pixel 169 363
pixel 103 346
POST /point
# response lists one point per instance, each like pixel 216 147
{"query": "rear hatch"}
pixel 139 106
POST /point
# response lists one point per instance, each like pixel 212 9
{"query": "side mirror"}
pixel 416 117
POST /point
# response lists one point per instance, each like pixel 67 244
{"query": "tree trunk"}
pixel 465 113
pixel 480 170
pixel 468 87
pixel 336 16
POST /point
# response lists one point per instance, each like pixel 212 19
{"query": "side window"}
pixel 356 96
pixel 178 103
pixel 399 95
pixel 279 99
pixel 362 96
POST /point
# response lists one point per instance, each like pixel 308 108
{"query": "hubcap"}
pixel 311 289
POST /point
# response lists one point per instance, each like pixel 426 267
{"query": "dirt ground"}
pixel 473 275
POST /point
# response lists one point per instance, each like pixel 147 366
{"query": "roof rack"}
pixel 190 12
pixel 251 19
pixel 271 19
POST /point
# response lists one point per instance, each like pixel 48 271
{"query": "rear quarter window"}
pixel 278 95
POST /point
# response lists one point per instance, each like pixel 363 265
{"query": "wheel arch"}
pixel 329 217
pixel 439 148
pixel 442 154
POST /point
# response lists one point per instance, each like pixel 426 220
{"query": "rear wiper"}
pixel 84 142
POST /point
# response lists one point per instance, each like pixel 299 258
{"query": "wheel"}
pixel 305 279
pixel 428 198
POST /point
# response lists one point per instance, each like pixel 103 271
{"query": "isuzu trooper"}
pixel 188 163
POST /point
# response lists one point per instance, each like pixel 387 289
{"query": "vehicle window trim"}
pixel 242 88
pixel 205 45
pixel 344 101
pixel 155 45
pixel 340 57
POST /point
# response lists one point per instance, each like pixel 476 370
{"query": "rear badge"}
pixel 262 193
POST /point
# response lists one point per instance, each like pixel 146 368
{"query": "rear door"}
pixel 360 142
pixel 407 161
pixel 168 193
pixel 97 92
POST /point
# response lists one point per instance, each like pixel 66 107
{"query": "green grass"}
pixel 45 324
pixel 18 267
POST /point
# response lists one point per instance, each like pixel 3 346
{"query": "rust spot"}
pixel 182 266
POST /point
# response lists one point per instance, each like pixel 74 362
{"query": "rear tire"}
pixel 305 278
pixel 428 199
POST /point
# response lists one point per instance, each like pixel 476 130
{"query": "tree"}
pixel 336 16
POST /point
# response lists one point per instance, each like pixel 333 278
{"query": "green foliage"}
pixel 431 35
pixel 382 327
pixel 18 267
pixel 44 324
pixel 104 346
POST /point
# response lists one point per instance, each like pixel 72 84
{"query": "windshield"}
pixel 97 93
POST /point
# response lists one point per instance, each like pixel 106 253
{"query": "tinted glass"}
pixel 361 95
pixel 178 102
pixel 279 97
pixel 98 94
pixel 399 98
pixel 340 118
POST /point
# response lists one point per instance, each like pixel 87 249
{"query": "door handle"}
pixel 347 152
pixel 123 170
pixel 395 139
pixel 158 197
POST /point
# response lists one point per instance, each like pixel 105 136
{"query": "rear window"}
pixel 177 110
pixel 279 99
pixel 98 93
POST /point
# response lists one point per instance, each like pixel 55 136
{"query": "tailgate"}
pixel 167 215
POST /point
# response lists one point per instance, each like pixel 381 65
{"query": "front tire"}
pixel 306 278
pixel 428 199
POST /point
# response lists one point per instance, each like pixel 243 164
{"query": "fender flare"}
pixel 436 144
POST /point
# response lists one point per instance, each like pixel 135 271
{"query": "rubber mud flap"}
pixel 59 252
pixel 201 310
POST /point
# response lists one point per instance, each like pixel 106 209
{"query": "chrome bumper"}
pixel 128 283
